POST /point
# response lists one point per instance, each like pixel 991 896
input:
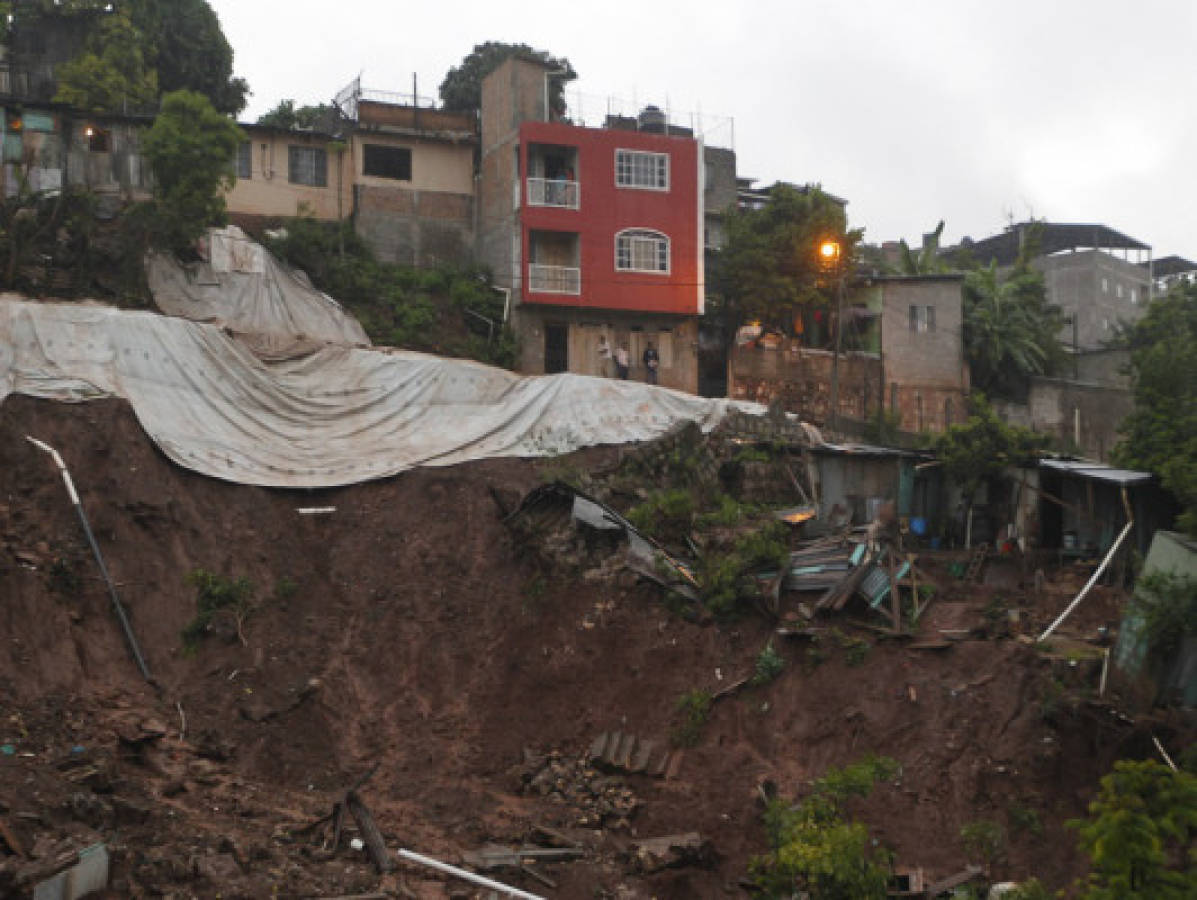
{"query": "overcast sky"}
pixel 969 111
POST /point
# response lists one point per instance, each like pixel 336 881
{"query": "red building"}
pixel 598 232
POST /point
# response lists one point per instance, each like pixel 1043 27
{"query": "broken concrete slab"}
pixel 672 852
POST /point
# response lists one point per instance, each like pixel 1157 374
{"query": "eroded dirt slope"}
pixel 406 629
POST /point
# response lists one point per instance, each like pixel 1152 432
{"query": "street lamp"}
pixel 829 253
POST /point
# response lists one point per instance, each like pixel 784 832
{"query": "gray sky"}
pixel 957 109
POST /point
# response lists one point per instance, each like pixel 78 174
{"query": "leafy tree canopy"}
pixel 286 115
pixel 816 849
pixel 1160 435
pixel 191 148
pixel 1010 330
pixel 770 263
pixel 111 74
pixel 179 42
pixel 984 446
pixel 1140 835
pixel 461 90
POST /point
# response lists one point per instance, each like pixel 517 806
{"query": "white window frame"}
pixel 659 241
pixel 631 167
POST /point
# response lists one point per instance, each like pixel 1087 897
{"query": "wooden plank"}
pixel 11 839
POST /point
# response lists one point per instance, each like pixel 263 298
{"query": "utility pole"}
pixel 830 251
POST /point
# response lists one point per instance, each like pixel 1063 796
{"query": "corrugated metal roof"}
pixel 1096 471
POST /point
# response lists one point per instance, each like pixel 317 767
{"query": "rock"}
pixel 220 868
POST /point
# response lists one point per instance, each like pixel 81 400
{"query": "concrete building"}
pixel 401 172
pixel 902 349
pixel 597 232
pixel 1088 269
pixel 1168 271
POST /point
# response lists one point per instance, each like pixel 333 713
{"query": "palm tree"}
pixel 1010 332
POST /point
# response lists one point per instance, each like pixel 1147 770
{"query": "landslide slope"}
pixel 407 630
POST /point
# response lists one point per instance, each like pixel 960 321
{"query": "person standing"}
pixel 604 352
pixel 622 362
pixel 651 363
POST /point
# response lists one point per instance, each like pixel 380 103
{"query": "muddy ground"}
pixel 408 631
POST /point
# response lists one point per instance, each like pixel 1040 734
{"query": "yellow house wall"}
pixel 435 165
pixel 268 192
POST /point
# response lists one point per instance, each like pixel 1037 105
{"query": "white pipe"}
pixel 467 876
pixel 1092 581
pixel 1164 753
pixel 1105 670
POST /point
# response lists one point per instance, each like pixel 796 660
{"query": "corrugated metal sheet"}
pixel 1096 471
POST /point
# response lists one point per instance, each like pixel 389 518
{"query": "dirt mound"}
pixel 407 629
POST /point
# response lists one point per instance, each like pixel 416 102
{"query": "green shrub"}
pixel 769 664
pixel 814 849
pixel 693 710
pixel 984 840
pixel 215 593
pixel 1140 834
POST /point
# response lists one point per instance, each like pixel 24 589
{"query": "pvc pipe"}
pixel 95 549
pixel 467 876
pixel 1092 581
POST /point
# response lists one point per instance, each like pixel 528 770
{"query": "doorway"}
pixel 556 349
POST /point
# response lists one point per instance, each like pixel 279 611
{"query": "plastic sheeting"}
pixel 336 416
pixel 245 289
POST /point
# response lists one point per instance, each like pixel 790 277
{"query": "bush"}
pixel 769 664
pixel 1140 834
pixel 814 849
pixel 693 710
pixel 984 840
pixel 215 593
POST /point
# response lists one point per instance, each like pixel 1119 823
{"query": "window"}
pixel 1105 285
pixel 1134 296
pixel 307 165
pixel 640 169
pixel 1118 291
pixel 245 160
pixel 639 250
pixel 386 162
pixel 98 140
pixel 922 319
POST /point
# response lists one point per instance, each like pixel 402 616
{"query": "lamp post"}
pixel 829 252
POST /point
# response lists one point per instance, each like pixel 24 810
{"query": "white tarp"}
pixel 245 289
pixel 337 416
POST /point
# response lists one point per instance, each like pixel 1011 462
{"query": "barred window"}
pixel 245 160
pixel 307 165
pixel 640 169
pixel 641 250
pixel 922 319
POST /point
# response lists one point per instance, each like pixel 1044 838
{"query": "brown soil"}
pixel 418 637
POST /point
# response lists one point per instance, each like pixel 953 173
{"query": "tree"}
pixel 983 447
pixel 180 42
pixel 1140 834
pixel 770 263
pixel 1010 330
pixel 461 90
pixel 190 51
pixel 191 148
pixel 1160 435
pixel 927 260
pixel 285 115
pixel 111 74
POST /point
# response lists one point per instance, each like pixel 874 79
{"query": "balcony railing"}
pixel 553 192
pixel 554 279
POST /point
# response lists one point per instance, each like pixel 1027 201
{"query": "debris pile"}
pixel 589 798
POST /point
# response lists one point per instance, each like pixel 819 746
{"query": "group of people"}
pixel 620 357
